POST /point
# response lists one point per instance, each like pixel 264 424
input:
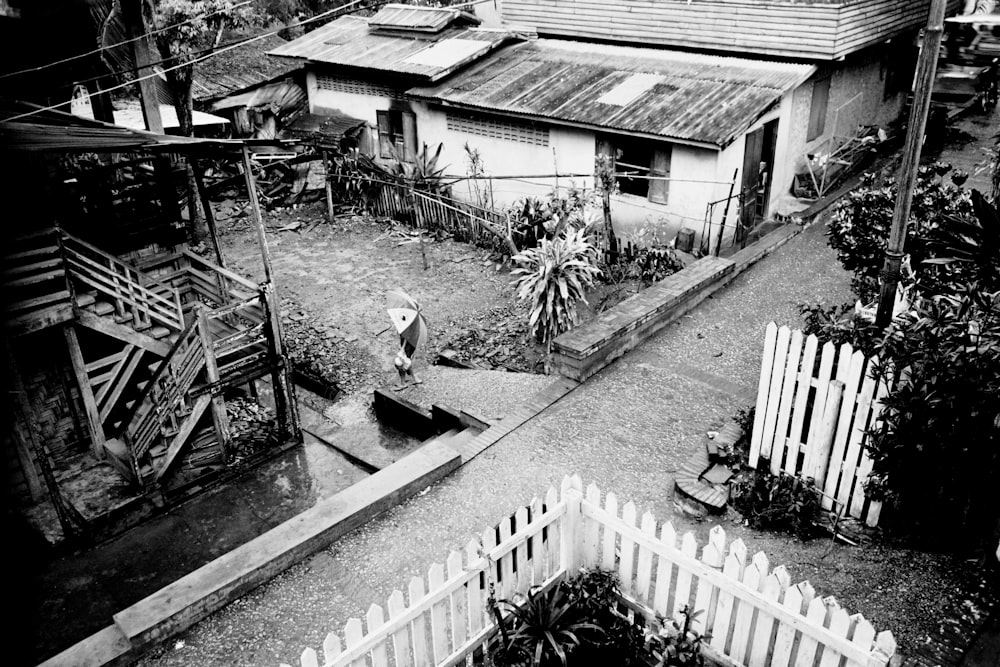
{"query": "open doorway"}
pixel 758 168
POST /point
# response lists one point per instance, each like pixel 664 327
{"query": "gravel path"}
pixel 627 429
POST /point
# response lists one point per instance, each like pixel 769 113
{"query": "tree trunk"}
pixel 180 81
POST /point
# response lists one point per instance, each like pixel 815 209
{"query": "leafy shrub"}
pixel 935 454
pixel 576 617
pixel 935 450
pixel 676 644
pixel 548 627
pixel 860 223
pixel 554 276
pixel 775 502
pixel 839 325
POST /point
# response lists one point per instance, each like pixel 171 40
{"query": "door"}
pixel 758 165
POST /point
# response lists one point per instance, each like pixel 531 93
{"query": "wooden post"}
pixel 25 435
pixel 281 376
pixel 206 204
pixel 94 425
pixel 926 65
pixel 328 186
pixel 220 421
pixel 258 217
pixel 571 525
pixel 819 451
pixel 725 214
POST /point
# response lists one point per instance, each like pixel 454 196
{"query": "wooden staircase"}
pixel 173 342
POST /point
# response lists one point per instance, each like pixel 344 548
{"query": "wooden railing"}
pixel 813 413
pixel 130 292
pixel 753 614
pixel 245 346
pixel 162 401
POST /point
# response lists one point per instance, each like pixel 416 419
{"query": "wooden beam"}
pixel 220 421
pixel 94 424
pixel 24 436
pixel 122 382
pixel 122 333
pixel 258 217
pixel 281 377
pixel 183 434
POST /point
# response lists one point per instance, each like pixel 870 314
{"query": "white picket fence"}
pixel 754 615
pixel 813 414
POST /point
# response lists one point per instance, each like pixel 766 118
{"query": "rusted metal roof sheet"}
pixel 693 98
pixel 349 42
pixel 423 19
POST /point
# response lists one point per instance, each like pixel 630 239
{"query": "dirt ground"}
pixel 332 279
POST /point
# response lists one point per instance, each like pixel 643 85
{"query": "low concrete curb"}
pixel 191 598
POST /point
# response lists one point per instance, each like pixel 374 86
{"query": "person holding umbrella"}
pixel 412 329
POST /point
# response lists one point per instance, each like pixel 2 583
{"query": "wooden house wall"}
pixel 807 30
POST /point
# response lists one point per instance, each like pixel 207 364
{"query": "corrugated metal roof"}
pixel 348 41
pixel 238 69
pixel 696 98
pixel 423 19
pixel 330 124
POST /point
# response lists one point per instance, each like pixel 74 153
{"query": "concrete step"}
pixel 158 332
pixel 101 308
pixel 84 300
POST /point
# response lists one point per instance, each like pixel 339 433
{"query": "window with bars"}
pixel 498 128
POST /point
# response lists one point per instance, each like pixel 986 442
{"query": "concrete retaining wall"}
pixel 588 348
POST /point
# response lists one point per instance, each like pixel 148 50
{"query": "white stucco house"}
pixel 727 102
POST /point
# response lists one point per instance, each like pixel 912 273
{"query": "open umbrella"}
pixel 406 316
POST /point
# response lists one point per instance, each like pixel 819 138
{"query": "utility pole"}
pixel 926 66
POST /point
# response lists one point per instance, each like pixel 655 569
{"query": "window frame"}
pixel 818 111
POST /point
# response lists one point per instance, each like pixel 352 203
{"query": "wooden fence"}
pixel 427 210
pixel 754 614
pixel 812 417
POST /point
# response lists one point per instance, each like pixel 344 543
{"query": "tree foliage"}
pixel 937 446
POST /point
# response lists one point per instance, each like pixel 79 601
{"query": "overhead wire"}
pixel 100 49
pixel 212 54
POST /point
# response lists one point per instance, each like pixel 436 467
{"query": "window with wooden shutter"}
pixel 385 142
pixel 409 136
pixel 818 108
pixel 659 171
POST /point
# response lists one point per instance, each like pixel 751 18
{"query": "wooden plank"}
pixel 354 634
pixel 439 612
pixel 401 638
pixel 785 406
pixel 766 628
pixel 763 392
pixel 823 443
pixel 865 466
pixel 713 555
pixel 858 433
pixel 682 596
pixel 591 547
pixel 459 599
pixel 521 558
pixel 796 437
pixel 644 568
pixel 733 569
pixel 125 380
pixel 421 652
pixel 815 614
pixel 374 619
pixel 187 426
pixel 822 384
pixel 475 604
pixel 95 426
pixel 839 624
pixel 609 540
pixel 775 389
pixel 664 571
pixel 754 577
pixel 626 562
pixel 847 412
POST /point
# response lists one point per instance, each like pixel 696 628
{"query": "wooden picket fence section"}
pixel 814 408
pixel 754 615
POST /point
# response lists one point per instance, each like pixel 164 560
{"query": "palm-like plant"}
pixel 423 172
pixel 548 628
pixel 555 276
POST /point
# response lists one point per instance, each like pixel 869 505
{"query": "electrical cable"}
pixel 100 49
pixel 214 52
